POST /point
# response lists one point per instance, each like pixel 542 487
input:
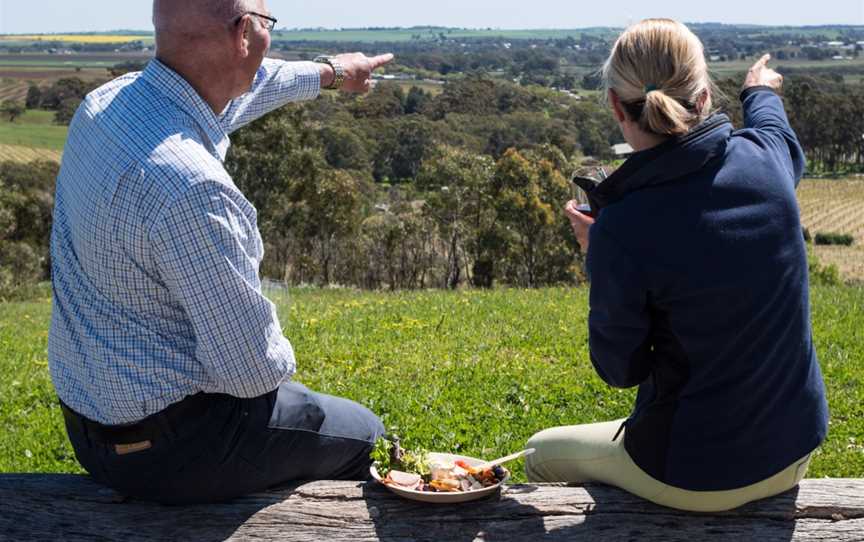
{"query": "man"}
pixel 170 364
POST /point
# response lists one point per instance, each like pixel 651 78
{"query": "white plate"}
pixel 444 497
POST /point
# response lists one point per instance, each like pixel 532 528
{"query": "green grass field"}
pixel 34 129
pixel 474 372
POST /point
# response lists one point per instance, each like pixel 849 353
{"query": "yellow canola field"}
pixel 75 38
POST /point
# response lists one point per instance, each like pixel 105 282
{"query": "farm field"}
pixel 44 61
pixel 399 34
pixel 14 89
pixel 731 68
pixel 34 129
pixel 836 206
pixel 76 38
pixel 17 153
pixel 20 70
pixel 41 76
pixel 473 372
pixel 408 34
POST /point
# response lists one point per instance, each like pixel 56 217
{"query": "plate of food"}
pixel 436 477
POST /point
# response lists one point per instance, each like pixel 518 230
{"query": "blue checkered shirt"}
pixel 155 252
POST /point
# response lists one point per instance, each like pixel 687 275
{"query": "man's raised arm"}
pixel 278 83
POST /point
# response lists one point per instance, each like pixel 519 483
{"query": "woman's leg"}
pixel 716 501
pixel 588 453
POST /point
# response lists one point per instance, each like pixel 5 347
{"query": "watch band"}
pixel 338 71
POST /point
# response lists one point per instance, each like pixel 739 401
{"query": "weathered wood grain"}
pixel 65 507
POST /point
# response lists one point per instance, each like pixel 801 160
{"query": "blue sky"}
pixel 20 16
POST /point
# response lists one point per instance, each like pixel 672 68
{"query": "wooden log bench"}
pixel 68 507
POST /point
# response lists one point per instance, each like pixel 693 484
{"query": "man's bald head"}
pixel 192 20
pixel 211 45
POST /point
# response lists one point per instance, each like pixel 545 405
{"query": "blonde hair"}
pixel 657 69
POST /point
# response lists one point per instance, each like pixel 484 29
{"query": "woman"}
pixel 699 291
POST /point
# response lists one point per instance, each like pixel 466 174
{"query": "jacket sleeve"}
pixel 619 322
pixel 276 84
pixel 766 118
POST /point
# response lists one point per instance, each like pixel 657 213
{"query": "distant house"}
pixel 622 150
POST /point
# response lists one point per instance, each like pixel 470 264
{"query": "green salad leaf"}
pixel 381 456
pixel 417 462
pixel 388 455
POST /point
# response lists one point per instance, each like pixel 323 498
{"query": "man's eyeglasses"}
pixel 267 21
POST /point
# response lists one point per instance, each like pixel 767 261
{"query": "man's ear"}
pixel 617 108
pixel 241 36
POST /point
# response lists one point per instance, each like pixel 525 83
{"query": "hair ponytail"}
pixel 663 115
pixel 657 68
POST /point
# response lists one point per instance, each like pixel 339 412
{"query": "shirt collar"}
pixel 178 90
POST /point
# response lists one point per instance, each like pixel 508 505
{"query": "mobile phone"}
pixel 585 209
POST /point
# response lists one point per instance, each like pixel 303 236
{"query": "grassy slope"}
pixel 33 129
pixel 474 372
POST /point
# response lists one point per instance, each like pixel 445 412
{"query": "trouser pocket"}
pixel 296 407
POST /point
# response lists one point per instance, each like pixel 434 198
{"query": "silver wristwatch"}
pixel 338 71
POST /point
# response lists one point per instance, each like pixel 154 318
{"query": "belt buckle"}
pixel 126 449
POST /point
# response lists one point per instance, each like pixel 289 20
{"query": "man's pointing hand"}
pixel 358 70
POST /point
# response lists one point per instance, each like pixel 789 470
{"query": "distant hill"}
pixel 438 33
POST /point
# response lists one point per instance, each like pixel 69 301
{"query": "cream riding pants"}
pixel 587 453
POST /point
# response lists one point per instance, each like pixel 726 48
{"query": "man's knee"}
pixel 349 419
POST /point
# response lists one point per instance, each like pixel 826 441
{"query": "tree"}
pixel 385 101
pixel 459 199
pixel 335 209
pixel 26 204
pixel 530 192
pixel 472 95
pixel 126 67
pixel 416 100
pixel 66 111
pixel 400 145
pixel 344 149
pixel 64 89
pixel 12 110
pixel 34 97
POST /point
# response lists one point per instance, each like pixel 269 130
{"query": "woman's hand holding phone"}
pixel 580 222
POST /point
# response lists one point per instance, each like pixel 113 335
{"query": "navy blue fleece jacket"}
pixel 699 295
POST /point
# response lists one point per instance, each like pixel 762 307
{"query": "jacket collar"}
pixel 179 91
pixel 666 162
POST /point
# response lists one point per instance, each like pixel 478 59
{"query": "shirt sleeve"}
pixel 766 118
pixel 276 84
pixel 619 322
pixel 206 250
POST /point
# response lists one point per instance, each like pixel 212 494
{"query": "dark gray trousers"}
pixel 212 447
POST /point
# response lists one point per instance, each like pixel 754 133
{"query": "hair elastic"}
pixel 650 88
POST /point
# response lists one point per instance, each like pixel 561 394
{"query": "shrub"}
pixel 825 275
pixel 831 238
pixel 20 267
